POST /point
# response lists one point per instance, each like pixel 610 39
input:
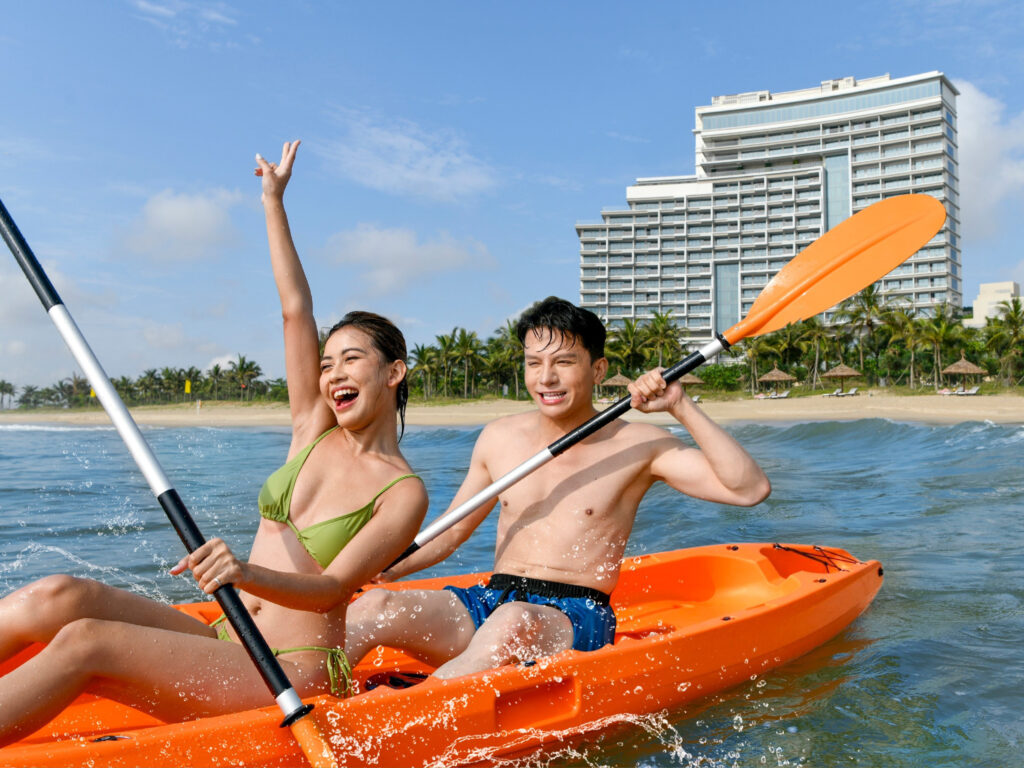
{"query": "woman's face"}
pixel 354 378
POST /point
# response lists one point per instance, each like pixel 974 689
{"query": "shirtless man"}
pixel 561 530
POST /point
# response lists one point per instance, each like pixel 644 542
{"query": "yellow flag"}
pixel 188 386
pixel 92 392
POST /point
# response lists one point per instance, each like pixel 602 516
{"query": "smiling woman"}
pixel 310 554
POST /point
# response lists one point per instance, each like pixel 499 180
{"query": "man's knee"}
pixel 522 631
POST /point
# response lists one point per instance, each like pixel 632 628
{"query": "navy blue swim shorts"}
pixel 593 620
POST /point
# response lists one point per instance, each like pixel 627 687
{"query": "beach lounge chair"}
pixel 780 395
pixel 971 391
pixel 837 393
pixel 696 398
pixel 851 393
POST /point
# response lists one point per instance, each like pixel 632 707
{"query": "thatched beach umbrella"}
pixel 841 372
pixel 688 379
pixel 618 380
pixel 774 376
pixel 963 368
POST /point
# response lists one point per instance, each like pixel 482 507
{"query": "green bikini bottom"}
pixel 339 671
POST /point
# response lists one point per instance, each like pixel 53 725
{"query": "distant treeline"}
pixel 887 343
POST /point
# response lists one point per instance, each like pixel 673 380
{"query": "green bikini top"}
pixel 324 540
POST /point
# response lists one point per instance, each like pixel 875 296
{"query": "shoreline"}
pixel 928 409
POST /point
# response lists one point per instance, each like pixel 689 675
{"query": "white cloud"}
pixel 187 24
pixel 401 158
pixel 182 227
pixel 389 260
pixel 991 162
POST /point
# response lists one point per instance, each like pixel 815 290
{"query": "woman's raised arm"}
pixel 310 414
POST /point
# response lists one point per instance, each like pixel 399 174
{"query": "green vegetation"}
pixel 889 344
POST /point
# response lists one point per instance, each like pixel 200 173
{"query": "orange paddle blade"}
pixel 846 259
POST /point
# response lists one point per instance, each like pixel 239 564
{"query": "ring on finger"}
pixel 218 581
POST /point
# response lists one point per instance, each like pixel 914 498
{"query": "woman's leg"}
pixel 36 612
pixel 172 675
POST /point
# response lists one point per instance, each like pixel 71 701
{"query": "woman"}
pixel 312 549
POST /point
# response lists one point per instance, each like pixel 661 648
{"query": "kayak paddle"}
pixel 305 730
pixel 846 259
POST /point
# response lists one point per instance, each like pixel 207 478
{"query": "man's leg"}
pixel 430 625
pixel 516 631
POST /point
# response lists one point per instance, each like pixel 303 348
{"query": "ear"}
pixel 600 369
pixel 396 372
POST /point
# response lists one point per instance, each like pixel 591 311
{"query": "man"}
pixel 562 529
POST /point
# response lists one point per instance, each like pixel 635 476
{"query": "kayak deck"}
pixel 690 623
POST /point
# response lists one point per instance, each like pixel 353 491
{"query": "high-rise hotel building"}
pixel 775 171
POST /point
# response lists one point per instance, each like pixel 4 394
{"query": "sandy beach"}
pixel 934 409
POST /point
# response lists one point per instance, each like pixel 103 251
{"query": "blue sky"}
pixel 448 150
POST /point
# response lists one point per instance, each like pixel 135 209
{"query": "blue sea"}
pixel 932 675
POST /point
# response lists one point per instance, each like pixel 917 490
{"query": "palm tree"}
pixel 30 397
pixel 626 346
pixel 754 349
pixel 1006 336
pixel 941 332
pixel 445 351
pixel 244 371
pixel 423 358
pixel 125 387
pixel 662 335
pixel 147 384
pixel 905 329
pixel 467 349
pixel 172 381
pixel 812 335
pixel 214 377
pixel 6 390
pixel 863 312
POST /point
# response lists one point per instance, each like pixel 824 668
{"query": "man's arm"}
pixel 720 471
pixel 434 551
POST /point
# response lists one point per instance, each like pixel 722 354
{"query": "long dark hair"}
pixel 388 341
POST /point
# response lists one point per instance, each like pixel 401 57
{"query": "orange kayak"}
pixel 690 623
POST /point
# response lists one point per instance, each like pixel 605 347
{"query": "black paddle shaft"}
pixel 612 412
pixel 175 509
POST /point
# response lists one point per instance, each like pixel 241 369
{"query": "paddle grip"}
pixel 613 412
pixel 227 597
pixel 27 261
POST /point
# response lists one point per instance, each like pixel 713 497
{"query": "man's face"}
pixel 560 376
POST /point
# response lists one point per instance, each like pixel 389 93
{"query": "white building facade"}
pixel 774 172
pixel 987 304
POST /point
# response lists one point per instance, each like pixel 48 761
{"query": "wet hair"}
pixel 557 317
pixel 387 340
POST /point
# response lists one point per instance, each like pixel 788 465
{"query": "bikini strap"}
pixel 389 485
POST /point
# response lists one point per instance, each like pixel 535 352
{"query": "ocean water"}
pixel 931 675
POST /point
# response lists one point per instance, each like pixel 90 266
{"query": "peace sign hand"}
pixel 276 176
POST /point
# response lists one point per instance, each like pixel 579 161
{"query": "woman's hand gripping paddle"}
pixel 304 729
pixel 846 259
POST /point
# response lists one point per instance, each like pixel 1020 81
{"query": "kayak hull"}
pixel 690 623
